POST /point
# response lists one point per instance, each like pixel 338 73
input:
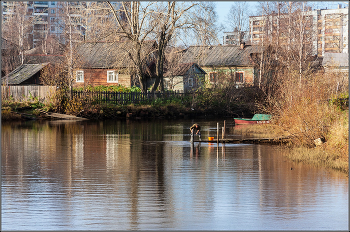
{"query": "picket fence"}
pixel 45 93
pixel 27 93
pixel 124 98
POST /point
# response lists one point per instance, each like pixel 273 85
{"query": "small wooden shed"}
pixel 25 74
pixel 184 77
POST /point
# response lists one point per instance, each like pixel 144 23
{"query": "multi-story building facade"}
pixel 52 19
pixel 235 37
pixel 327 30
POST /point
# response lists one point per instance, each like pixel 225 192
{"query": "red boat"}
pixel 257 119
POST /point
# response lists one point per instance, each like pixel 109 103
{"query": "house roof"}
pixel 228 55
pixel 336 59
pixel 23 73
pixel 41 58
pixel 108 54
pixel 181 69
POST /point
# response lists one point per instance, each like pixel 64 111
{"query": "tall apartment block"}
pixel 329 29
pixel 235 37
pixel 50 19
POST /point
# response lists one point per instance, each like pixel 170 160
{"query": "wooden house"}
pixel 184 77
pixel 109 63
pixel 226 64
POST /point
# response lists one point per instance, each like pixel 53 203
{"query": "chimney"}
pixel 242 45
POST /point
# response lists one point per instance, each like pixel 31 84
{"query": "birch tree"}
pixel 238 17
pixel 17 26
pixel 71 26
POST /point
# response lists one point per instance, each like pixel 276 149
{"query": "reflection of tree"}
pixel 99 162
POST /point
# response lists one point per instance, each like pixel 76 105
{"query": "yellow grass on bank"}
pixel 331 154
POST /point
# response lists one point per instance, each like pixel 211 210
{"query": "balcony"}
pixel 40 13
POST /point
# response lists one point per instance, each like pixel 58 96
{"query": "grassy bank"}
pixel 333 153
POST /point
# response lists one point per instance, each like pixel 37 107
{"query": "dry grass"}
pixel 8 114
pixel 304 111
pixel 319 157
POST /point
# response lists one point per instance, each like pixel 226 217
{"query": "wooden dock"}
pixel 249 140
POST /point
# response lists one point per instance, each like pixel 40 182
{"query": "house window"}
pixel 190 82
pixel 52 11
pixel 166 84
pixel 112 77
pixel 80 76
pixel 239 77
pixel 213 77
pixel 53 28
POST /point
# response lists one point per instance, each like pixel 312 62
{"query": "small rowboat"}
pixel 256 119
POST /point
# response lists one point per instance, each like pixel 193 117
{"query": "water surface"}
pixel 124 175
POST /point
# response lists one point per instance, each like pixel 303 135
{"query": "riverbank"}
pixel 331 153
pixel 22 111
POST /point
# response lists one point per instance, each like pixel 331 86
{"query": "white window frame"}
pixel 114 76
pixel 215 77
pixel 79 76
pixel 190 82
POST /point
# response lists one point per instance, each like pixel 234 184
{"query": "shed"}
pixel 184 77
pixel 25 74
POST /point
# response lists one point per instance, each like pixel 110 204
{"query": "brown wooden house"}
pixel 226 64
pixel 109 63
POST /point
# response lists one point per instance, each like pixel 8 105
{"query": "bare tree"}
pixel 159 21
pixel 71 25
pixel 17 26
pixel 238 17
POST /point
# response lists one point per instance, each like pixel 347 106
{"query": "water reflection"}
pixel 137 175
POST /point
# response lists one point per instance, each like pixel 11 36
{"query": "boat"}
pixel 256 119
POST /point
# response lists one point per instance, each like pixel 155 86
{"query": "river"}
pixel 146 175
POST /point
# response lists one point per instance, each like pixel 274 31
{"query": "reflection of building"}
pixel 328 29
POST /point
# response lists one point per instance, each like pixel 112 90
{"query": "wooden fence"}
pixel 27 93
pixel 124 98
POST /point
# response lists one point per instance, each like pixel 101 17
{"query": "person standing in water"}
pixel 198 130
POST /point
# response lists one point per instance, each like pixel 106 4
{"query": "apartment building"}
pixel 51 19
pixel 328 29
pixel 235 37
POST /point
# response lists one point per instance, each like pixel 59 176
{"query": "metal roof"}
pixel 228 55
pixel 108 54
pixel 23 73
